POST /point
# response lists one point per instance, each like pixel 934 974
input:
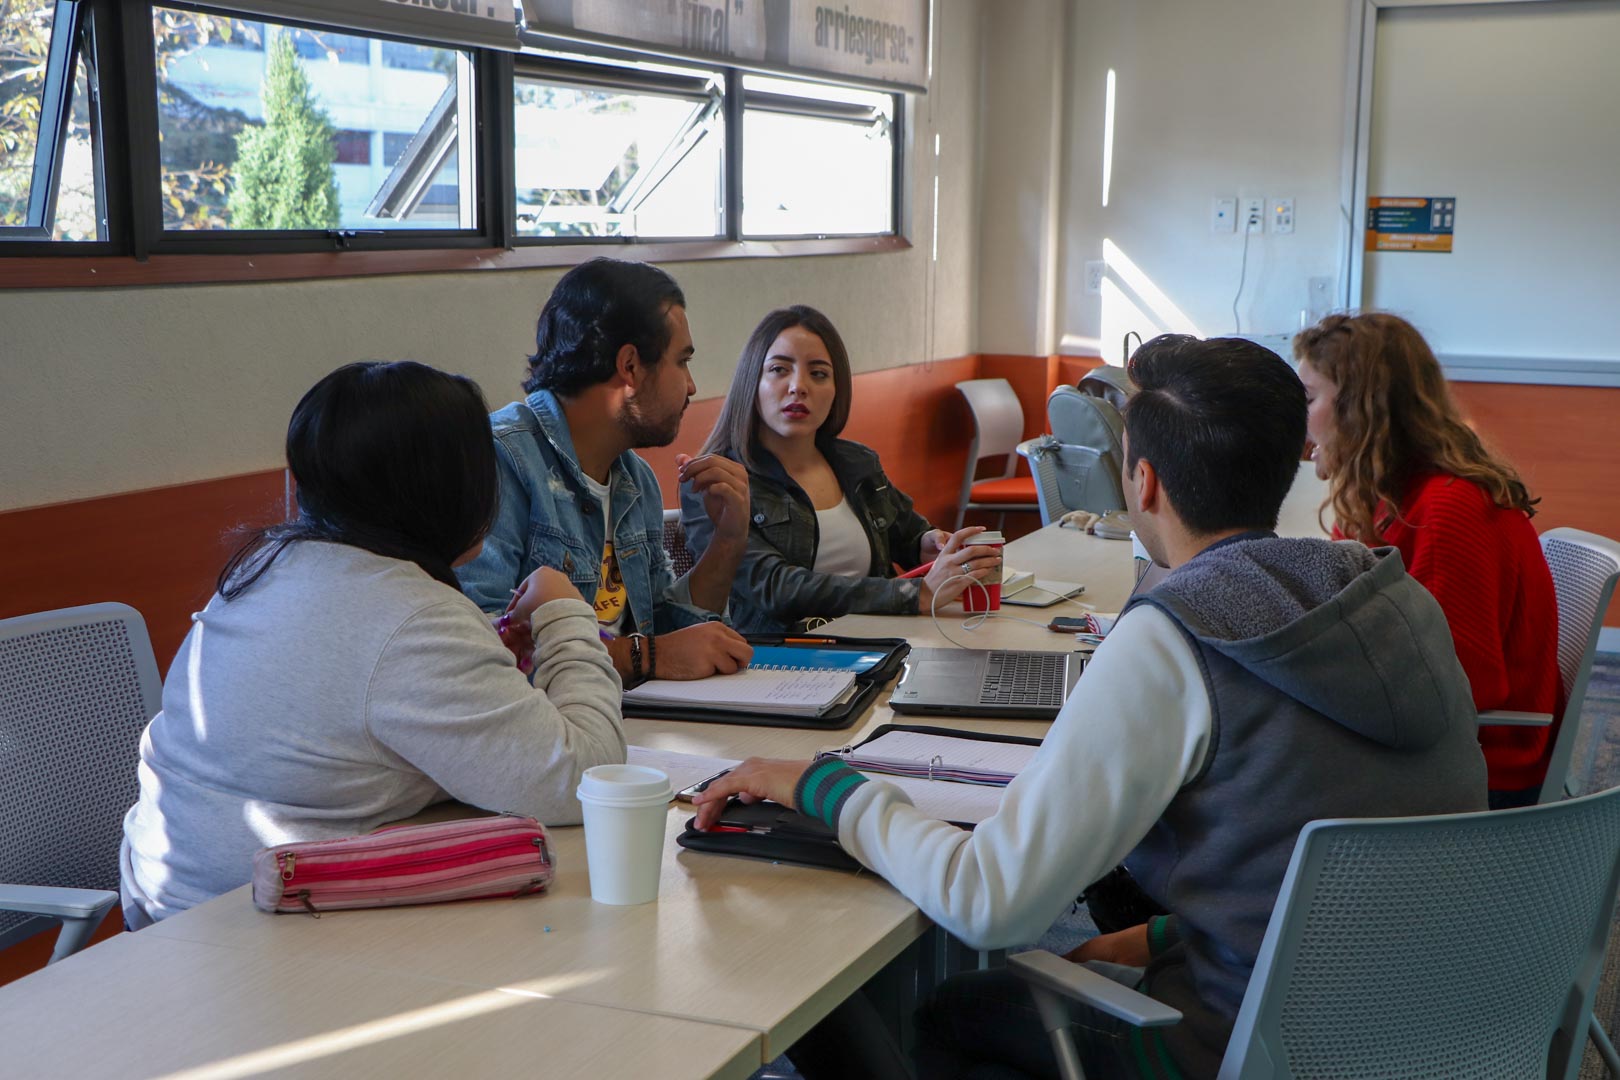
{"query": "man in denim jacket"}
pixel 609 374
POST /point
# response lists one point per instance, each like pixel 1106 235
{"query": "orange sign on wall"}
pixel 1410 223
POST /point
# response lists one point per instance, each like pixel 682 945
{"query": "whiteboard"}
pixel 1514 110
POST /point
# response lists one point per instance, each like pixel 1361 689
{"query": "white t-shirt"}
pixel 612 600
pixel 844 549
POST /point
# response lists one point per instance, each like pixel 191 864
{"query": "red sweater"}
pixel 1485 567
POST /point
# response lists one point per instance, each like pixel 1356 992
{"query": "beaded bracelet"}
pixel 652 656
pixel 635 655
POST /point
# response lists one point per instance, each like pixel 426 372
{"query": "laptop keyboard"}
pixel 1012 678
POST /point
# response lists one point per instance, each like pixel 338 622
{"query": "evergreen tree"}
pixel 284 177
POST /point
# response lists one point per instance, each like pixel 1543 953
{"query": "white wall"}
pixel 1511 109
pixel 1021 149
pixel 108 390
pixel 1245 97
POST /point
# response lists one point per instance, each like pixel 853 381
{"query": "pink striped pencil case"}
pixel 468 859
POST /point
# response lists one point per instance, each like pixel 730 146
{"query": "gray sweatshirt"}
pixel 342 691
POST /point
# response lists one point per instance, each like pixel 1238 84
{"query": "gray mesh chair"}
pixel 998 424
pixel 1072 478
pixel 1461 945
pixel 1584 568
pixel 675 543
pixel 77 688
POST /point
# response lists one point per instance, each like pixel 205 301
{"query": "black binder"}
pixel 788 836
pixel 868 683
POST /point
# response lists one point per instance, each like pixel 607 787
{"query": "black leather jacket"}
pixel 776 590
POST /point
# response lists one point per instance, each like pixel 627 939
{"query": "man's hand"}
pixel 752 781
pixel 723 484
pixel 697 652
pixel 540 587
pixel 1128 947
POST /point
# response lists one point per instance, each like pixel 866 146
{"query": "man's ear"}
pixel 627 366
pixel 1148 490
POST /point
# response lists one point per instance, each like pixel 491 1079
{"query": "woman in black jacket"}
pixel 828 526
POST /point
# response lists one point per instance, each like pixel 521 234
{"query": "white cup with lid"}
pixel 626 808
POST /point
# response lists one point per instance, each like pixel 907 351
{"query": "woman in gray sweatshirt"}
pixel 339 679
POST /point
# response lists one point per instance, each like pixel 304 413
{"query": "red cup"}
pixel 986 595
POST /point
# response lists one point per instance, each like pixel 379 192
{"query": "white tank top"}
pixel 844 549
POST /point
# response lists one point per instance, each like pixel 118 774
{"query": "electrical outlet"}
pixel 1282 215
pixel 1223 216
pixel 1253 213
pixel 1095 269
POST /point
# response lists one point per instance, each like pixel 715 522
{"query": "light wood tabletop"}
pixel 146 1005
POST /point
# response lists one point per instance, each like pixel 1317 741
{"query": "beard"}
pixel 646 430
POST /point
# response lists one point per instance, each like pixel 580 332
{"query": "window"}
pixel 817 160
pixel 50 168
pixel 279 137
pixel 618 152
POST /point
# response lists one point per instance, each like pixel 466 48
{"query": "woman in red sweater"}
pixel 1405 470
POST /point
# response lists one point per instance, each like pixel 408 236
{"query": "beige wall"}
pixel 1232 99
pixel 1021 125
pixel 108 390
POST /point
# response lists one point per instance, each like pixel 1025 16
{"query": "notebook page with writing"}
pixel 917 753
pixel 793 693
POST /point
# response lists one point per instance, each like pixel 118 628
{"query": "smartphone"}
pixel 1064 625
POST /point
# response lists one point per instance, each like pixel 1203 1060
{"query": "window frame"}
pixel 117 42
pixel 835 111
pixel 581 74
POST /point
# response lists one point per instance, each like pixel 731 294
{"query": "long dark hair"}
pixel 736 430
pixel 393 458
pixel 1393 415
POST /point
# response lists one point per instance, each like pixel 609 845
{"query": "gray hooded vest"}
pixel 1335 692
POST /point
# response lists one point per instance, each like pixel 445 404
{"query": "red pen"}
pixel 919 571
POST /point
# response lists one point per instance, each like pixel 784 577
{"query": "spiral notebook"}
pixel 767 689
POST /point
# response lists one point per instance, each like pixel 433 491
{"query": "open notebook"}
pixel 752 690
pixel 951 779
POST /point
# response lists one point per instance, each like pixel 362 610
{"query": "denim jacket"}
pixel 776 588
pixel 548 517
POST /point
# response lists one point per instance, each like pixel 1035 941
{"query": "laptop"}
pixel 1007 683
pixel 1013 684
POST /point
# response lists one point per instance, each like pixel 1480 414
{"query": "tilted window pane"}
pixel 604 162
pixel 77 217
pixel 269 127
pixel 815 175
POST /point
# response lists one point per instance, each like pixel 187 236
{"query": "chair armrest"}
pixel 1509 718
pixel 57 903
pixel 1051 972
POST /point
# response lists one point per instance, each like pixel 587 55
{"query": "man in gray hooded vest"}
pixel 1264 683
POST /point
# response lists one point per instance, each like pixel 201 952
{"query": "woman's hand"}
pixel 933 542
pixel 540 587
pixel 955 567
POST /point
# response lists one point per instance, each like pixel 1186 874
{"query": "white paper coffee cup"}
pixel 626 808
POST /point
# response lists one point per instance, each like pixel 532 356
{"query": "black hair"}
pixel 393 458
pixel 596 309
pixel 1223 424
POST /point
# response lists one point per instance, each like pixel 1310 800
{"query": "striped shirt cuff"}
pixel 823 789
pixel 1162 932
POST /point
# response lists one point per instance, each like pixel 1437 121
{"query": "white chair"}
pixel 998 425
pixel 77 688
pixel 1072 478
pixel 1460 945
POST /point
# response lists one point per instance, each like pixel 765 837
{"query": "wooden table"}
pixel 151 1005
